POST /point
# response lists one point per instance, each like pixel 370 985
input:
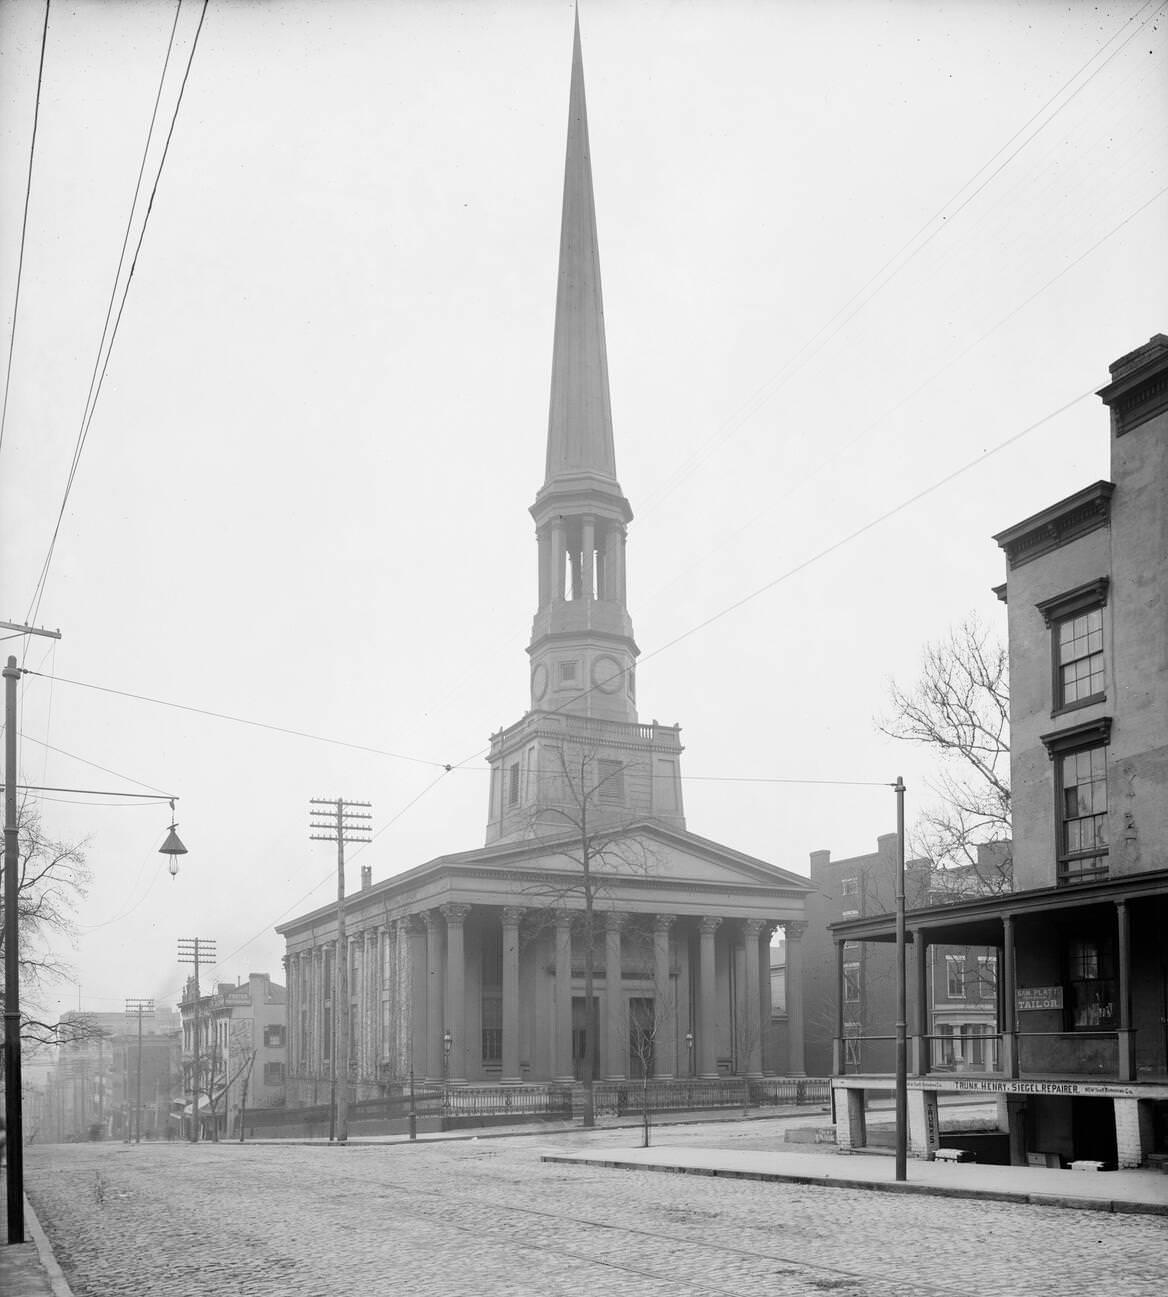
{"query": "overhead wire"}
pixel 36 114
pixel 940 220
pixel 87 418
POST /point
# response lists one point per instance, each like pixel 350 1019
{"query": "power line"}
pixel 237 720
pixel 28 738
pixel 763 393
pixel 87 419
pixel 24 223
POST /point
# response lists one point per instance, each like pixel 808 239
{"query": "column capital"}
pixel 793 929
pixel 709 923
pixel 564 918
pixel 663 922
pixel 431 919
pixel 513 915
pixel 454 913
pixel 410 923
pixel 615 920
pixel 752 928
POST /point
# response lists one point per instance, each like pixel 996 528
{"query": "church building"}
pixel 471 968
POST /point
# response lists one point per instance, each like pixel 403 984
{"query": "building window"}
pixel 1075 619
pixel 1083 814
pixel 1079 649
pixel 274 1037
pixel 568 672
pixel 945 1044
pixel 513 784
pixel 987 976
pixel 273 1073
pixel 492 956
pixel 1091 974
pixel 851 983
pixel 849 886
pixel 955 977
pixel 610 781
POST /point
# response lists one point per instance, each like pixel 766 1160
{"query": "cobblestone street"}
pixel 487 1217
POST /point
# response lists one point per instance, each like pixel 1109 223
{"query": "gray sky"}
pixel 846 250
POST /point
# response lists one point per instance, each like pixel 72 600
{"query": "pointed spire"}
pixel 580 416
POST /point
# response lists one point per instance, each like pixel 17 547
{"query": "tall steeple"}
pixel 582 651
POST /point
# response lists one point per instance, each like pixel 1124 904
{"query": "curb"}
pixel 57 1281
pixel 1118 1206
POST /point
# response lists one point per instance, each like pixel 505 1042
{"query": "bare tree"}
pixel 648 1025
pixel 225 1065
pixel 53 877
pixel 959 707
pixel 581 820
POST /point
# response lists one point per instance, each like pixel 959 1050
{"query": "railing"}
pixel 1068 1053
pixel 858 1055
pixel 552 1101
pixel 692 1094
pixel 953 1053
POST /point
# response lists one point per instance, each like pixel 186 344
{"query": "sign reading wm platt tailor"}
pixel 1038 997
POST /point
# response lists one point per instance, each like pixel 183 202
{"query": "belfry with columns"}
pixel 470 968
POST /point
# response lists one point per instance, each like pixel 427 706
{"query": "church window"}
pixel 569 672
pixel 492 1029
pixel 610 781
pixel 513 784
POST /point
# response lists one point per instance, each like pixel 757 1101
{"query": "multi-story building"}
pixel 234 1040
pixel 1082 1035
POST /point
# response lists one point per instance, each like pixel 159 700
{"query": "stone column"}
pixel 766 1000
pixel 615 1027
pixel 752 1015
pixel 455 916
pixel 796 1057
pixel 435 1022
pixel 512 916
pixel 563 1016
pixel 588 556
pixel 622 569
pixel 611 586
pixel 850 1127
pixel 418 1014
pixel 544 541
pixel 558 550
pixel 707 1040
pixel 665 1002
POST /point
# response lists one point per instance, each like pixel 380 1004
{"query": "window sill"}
pixel 1078 705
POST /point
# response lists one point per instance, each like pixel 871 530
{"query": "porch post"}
pixel 839 1050
pixel 1126 1036
pixel 1009 1028
pixel 921 1044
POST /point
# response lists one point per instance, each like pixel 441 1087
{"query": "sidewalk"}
pixel 1144 1191
pixel 29 1269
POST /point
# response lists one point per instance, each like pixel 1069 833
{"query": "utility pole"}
pixel 190 951
pixel 901 1171
pixel 13 1106
pixel 340 824
pixel 139 1007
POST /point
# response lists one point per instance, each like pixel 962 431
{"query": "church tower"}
pixel 581 744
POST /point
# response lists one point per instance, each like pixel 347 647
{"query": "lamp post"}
pixel 901 1006
pixel 689 1044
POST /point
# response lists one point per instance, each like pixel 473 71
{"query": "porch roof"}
pixel 978 922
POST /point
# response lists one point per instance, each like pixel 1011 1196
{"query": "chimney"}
pixel 366 877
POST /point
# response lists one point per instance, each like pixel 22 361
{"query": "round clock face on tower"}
pixel 606 674
pixel 539 682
